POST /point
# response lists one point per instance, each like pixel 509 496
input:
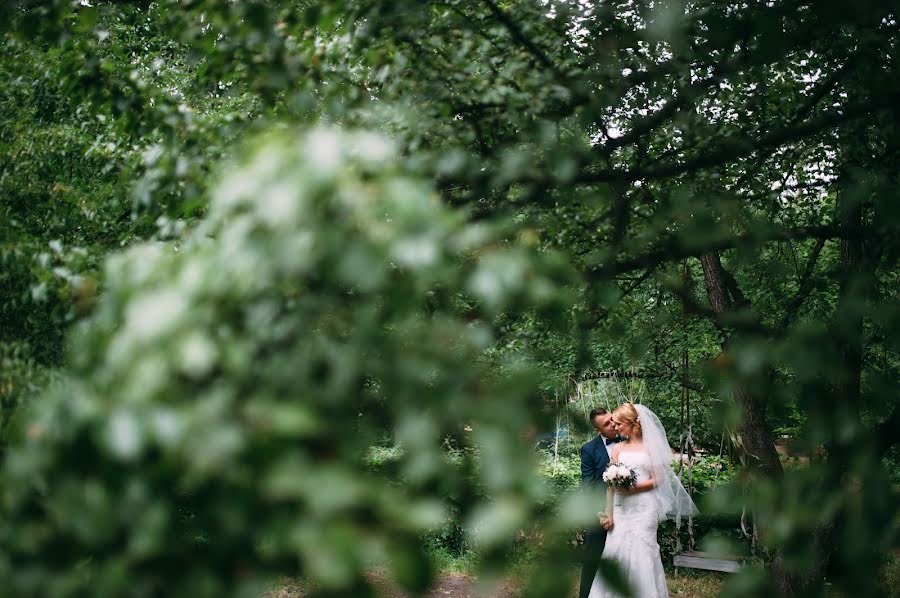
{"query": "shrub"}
pixel 213 431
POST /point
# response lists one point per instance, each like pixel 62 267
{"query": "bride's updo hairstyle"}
pixel 627 413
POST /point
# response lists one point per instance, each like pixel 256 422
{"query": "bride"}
pixel 631 541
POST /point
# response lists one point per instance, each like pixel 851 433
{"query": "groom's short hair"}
pixel 597 411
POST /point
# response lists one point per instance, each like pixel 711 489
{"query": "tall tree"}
pixel 757 142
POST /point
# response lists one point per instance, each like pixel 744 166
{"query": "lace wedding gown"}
pixel 632 541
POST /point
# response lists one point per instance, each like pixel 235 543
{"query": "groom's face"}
pixel 603 424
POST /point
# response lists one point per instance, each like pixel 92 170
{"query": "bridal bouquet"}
pixel 617 476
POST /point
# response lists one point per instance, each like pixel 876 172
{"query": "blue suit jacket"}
pixel 594 460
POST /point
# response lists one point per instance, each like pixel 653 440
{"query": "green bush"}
pixel 215 430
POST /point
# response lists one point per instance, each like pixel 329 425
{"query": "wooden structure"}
pixel 707 561
pixel 690 557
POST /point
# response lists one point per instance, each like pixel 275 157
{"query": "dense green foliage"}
pixel 281 232
pixel 234 370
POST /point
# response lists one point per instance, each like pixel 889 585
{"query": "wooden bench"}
pixel 705 560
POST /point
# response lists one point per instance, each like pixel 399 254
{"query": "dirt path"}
pixel 449 586
pixel 452 585
pixel 464 586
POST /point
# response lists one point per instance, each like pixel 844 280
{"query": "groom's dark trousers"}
pixel 594 540
pixel 594 459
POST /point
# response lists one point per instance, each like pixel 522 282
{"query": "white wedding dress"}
pixel 631 543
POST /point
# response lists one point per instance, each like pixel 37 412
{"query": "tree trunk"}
pixel 849 319
pixel 755 432
pixel 849 337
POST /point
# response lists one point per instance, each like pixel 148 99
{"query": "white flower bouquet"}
pixel 619 476
pixel 616 476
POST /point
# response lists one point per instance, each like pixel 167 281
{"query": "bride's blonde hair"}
pixel 627 413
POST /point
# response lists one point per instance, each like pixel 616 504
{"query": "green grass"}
pixel 696 584
pixel 447 563
pixel 890 573
pixel 687 584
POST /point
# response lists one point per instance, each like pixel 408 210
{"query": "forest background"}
pixel 289 287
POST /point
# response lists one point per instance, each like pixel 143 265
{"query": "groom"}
pixel 594 459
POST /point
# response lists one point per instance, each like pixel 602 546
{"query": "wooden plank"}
pixel 704 560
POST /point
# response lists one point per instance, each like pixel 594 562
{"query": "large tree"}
pixel 734 164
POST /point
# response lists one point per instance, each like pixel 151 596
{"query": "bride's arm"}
pixel 648 484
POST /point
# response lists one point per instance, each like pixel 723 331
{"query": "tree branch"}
pixel 729 150
pixel 730 319
pixel 671 106
pixel 672 249
pixel 734 290
pixel 887 433
pixel 643 375
pixel 805 285
pixel 730 316
pixel 519 36
pixel 679 376
pixel 822 90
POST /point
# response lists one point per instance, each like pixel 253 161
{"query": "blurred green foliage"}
pixel 524 193
pixel 215 374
